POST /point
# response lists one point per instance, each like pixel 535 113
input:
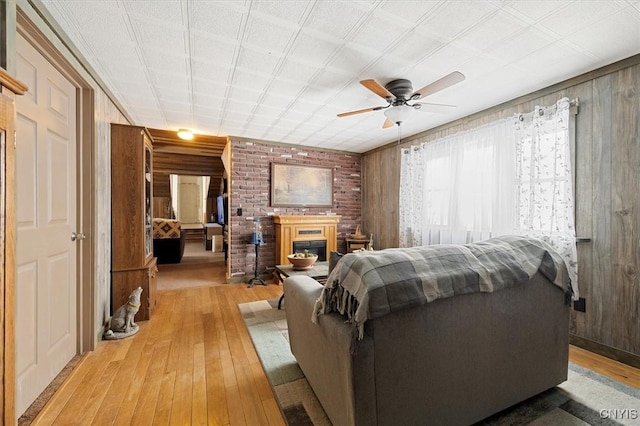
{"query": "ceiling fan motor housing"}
pixel 401 88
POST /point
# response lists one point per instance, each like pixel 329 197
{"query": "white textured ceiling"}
pixel 281 70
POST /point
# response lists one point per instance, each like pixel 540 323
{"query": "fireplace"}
pixel 318 247
pixel 316 233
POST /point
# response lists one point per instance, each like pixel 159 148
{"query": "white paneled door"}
pixel 46 292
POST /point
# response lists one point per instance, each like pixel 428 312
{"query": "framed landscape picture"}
pixel 301 186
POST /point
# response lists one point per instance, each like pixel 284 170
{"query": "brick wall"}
pixel 251 190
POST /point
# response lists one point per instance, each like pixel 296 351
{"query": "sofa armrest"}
pixel 343 382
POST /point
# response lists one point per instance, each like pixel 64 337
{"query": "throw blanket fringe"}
pixel 368 285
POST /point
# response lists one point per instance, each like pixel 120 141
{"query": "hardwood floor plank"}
pixel 136 381
pixel 217 409
pixel 233 331
pixel 199 395
pixel 165 399
pixel 145 410
pixel 122 347
pixel 251 403
pixel 216 323
pixel 234 405
pixel 228 373
pixel 88 412
pixel 174 326
pixel 216 398
pixel 261 381
pixel 181 410
pixel 109 408
pixel 272 411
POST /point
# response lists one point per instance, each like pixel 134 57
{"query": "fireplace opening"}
pixel 318 247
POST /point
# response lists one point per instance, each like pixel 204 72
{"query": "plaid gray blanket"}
pixel 368 285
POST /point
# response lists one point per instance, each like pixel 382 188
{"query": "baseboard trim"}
pixel 619 355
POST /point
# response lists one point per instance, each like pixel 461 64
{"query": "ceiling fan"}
pixel 398 93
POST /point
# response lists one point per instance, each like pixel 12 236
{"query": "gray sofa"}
pixel 453 361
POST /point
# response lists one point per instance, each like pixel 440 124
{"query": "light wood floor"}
pixel 194 363
pixel 607 367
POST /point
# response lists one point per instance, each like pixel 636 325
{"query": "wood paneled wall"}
pixel 607 193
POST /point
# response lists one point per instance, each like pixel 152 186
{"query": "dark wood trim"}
pixel 607 351
pixel 87 220
pixel 574 81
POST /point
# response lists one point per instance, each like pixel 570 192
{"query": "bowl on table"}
pixel 302 263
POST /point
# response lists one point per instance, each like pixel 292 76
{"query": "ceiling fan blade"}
pixel 359 111
pixel 387 123
pixel 378 89
pixel 437 108
pixel 438 85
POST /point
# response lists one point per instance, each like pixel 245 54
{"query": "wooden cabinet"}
pixel 124 282
pixel 132 261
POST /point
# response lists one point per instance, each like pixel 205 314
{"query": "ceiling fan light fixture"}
pixel 399 114
pixel 185 134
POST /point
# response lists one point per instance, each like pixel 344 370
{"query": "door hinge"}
pixel 15 140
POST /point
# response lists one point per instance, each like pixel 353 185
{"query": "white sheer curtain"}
pixel 205 195
pixel 512 176
pixel 544 197
pixel 174 181
pixel 459 189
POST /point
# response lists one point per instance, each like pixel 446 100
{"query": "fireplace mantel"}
pixel 304 228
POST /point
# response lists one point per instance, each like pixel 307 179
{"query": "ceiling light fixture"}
pixel 185 134
pixel 398 114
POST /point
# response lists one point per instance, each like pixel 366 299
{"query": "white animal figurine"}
pixel 122 324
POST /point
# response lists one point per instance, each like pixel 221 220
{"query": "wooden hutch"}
pixel 132 261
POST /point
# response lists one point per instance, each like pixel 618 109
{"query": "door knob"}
pixel 80 236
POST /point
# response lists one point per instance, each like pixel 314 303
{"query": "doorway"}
pixel 202 263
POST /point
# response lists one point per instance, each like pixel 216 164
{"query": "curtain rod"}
pixel 573 109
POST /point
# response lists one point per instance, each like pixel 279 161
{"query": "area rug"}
pixel 586 398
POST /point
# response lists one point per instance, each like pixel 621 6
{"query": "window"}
pixel 512 176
